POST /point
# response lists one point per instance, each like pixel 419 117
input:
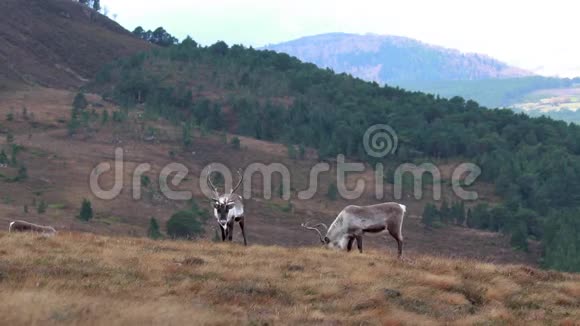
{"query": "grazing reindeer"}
pixel 227 209
pixel 354 221
pixel 22 226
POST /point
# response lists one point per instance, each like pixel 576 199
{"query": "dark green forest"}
pixel 533 162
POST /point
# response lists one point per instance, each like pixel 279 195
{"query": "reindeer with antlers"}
pixel 227 209
pixel 354 221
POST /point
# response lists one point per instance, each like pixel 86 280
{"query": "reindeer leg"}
pixel 231 231
pixel 359 243
pixel 243 231
pixel 223 234
pixel 400 244
pixel 349 245
pixel 399 239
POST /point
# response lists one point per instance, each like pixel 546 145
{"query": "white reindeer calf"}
pixel 354 221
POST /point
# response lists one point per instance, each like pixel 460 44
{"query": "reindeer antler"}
pixel 212 186
pixel 315 228
pixel 239 183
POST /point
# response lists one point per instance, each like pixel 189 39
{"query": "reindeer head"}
pixel 323 239
pixel 223 204
pixel 332 240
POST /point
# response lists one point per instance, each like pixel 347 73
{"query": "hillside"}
pixel 253 93
pixel 384 59
pixel 416 66
pixel 58 43
pixel 76 279
pixel 58 166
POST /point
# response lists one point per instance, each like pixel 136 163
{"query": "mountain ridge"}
pixel 384 58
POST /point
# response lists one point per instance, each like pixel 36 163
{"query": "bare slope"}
pixel 57 43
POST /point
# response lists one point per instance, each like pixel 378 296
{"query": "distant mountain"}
pixel 386 59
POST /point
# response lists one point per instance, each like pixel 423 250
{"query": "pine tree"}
pixel 430 215
pixel 153 232
pixel 235 142
pixel 97 5
pixel 457 213
pixel 80 102
pixel 469 218
pixel 86 210
pixel 519 238
pixel 332 193
pixel 105 117
pixel 301 152
pixel 292 151
pixel 445 212
pixel 42 206
pixel 3 157
pixel 22 173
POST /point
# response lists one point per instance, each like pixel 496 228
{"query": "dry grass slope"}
pixel 87 279
pixel 58 43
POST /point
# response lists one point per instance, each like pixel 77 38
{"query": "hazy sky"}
pixel 542 36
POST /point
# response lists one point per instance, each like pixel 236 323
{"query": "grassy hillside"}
pixel 254 93
pixel 58 43
pixel 58 166
pixel 76 279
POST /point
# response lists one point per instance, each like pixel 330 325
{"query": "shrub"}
pixel 184 225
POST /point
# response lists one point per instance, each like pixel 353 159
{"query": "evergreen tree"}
pixel 42 206
pixel 459 213
pixel 86 212
pixel 430 215
pixel 3 157
pixel 301 152
pixel 80 102
pixel 562 240
pixel 292 151
pixel 235 142
pixel 445 212
pixel 22 173
pixel 186 135
pixel 105 117
pixel 469 219
pixel 519 238
pixel 332 193
pixel 153 232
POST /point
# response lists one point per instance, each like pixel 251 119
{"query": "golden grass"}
pixel 88 279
